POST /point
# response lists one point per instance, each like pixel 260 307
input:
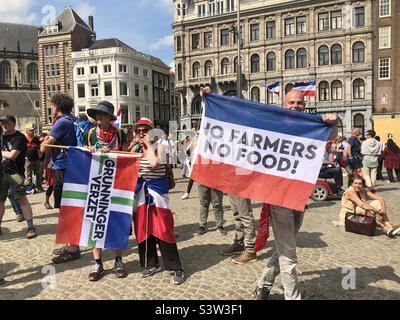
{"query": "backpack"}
pixel 92 143
pixel 82 128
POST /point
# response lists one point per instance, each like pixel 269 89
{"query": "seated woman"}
pixel 355 200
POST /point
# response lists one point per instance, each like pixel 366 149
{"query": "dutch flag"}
pixel 274 88
pixel 308 88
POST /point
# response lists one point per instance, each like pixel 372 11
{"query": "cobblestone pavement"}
pixel 324 251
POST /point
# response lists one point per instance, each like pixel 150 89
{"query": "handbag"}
pixel 171 178
pixel 360 224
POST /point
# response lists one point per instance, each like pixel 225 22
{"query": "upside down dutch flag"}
pixel 97 199
pixel 265 153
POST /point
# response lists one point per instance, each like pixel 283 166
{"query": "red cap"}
pixel 143 122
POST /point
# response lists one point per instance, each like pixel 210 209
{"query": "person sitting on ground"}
pixel 355 200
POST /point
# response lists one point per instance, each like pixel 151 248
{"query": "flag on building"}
pixel 308 88
pixel 274 88
pixel 260 152
pixel 118 122
pixel 97 200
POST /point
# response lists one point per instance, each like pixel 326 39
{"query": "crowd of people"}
pixel 31 160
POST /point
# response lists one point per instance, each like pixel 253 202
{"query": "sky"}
pixel 145 25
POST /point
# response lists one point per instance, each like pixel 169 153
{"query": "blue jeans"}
pixel 15 204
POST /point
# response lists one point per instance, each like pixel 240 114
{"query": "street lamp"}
pixel 236 30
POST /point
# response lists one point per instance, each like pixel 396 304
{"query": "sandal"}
pixel 48 206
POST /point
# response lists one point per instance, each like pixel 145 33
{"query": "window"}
pixel 51 51
pixel 359 17
pixel 384 8
pixel 125 114
pixel 94 88
pixel 211 8
pixel 137 90
pixel 255 94
pixel 208 68
pixel 5 72
pixel 80 71
pixel 230 5
pixel 384 68
pixel 224 37
pixel 208 39
pixel 145 73
pixel 302 58
pixel 323 91
pixel 178 9
pixel 384 37
pixel 323 21
pixel 336 19
pixel 195 41
pixel 271 61
pixel 196 70
pixel 359 122
pixel 271 30
pixel 272 98
pixel 179 43
pixel 359 89
pixel 289 27
pixel 196 105
pixel 136 71
pixel 255 32
pixel 220 6
pixel 289 59
pixel 81 90
pixel 301 25
pixel 323 56
pixel 123 68
pixel 138 113
pixel 337 90
pixel 107 68
pixel 93 70
pixel 146 92
pixel 235 63
pixel 336 54
pixel 32 72
pixel 358 52
pixel 184 9
pixel 108 89
pixel 123 88
pixel 255 63
pixel 82 110
pixel 180 75
pixel 225 66
pixel 241 36
pixel 201 10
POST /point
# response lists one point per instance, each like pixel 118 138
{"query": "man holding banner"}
pixel 269 154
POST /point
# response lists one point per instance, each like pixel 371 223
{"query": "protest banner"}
pixel 260 152
pixel 97 200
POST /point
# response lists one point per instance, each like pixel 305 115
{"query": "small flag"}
pixel 118 122
pixel 308 88
pixel 274 88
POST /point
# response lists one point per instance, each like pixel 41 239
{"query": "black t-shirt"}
pixel 32 149
pixel 16 141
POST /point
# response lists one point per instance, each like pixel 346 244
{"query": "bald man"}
pixel 286 224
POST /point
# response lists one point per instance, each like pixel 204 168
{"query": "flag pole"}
pixel 138 155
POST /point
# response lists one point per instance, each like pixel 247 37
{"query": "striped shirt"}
pixel 147 173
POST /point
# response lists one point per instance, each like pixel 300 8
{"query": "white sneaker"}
pixel 185 196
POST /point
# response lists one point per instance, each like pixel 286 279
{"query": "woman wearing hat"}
pixel 154 222
pixel 104 138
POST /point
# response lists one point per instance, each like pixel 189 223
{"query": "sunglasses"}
pixel 140 131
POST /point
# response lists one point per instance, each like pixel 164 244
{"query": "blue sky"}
pixel 143 24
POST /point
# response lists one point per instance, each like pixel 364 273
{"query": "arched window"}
pixel 255 63
pixel 235 65
pixel 359 123
pixel 290 59
pixel 255 94
pixel 359 89
pixel 5 72
pixel 336 54
pixel 323 56
pixel 208 68
pixel 271 61
pixel 358 52
pixel 272 98
pixel 340 128
pixel 225 66
pixel 302 58
pixel 32 72
pixel 289 87
pixel 196 105
pixel 337 90
pixel 196 70
pixel 323 91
